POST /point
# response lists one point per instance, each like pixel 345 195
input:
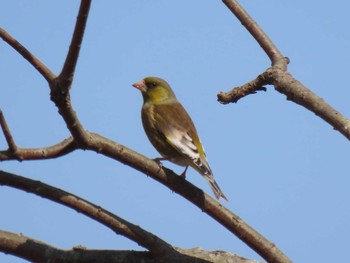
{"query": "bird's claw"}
pixel 183 175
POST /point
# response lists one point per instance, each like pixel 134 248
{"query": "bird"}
pixel 171 131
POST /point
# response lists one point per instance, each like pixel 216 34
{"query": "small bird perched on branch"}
pixel 171 130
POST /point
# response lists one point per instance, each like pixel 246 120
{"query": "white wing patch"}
pixel 183 142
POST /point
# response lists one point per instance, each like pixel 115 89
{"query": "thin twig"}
pixel 36 63
pixel 68 69
pixel 237 93
pixel 7 133
pixel 264 41
pixel 62 148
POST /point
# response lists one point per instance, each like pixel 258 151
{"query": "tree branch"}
pixel 61 85
pixel 295 91
pixel 36 63
pixel 20 246
pixel 264 41
pixel 62 148
pixel 237 93
pixel 68 69
pixel 154 244
pixel 195 195
pixel 282 80
pixel 7 133
pixel 37 251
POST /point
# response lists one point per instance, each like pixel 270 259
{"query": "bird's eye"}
pixel 152 85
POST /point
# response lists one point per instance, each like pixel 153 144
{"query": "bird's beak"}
pixel 141 85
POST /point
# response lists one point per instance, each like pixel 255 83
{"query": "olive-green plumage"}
pixel 171 130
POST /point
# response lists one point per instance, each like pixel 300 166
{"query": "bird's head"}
pixel 155 90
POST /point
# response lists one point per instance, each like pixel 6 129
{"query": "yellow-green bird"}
pixel 171 130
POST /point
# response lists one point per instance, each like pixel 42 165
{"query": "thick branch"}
pixel 295 91
pixel 54 151
pixel 37 251
pixel 154 244
pixel 177 184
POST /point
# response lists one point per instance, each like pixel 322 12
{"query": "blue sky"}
pixel 285 171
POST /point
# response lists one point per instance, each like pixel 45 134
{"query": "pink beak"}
pixel 141 85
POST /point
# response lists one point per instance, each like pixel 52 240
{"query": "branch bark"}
pixel 264 41
pixel 31 249
pixel 154 244
pixel 38 251
pixel 67 73
pixel 62 148
pixel 280 78
pixel 36 63
pixel 7 133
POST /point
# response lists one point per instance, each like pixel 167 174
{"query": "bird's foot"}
pixel 183 175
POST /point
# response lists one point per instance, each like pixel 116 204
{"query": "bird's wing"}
pixel 183 143
pixel 181 134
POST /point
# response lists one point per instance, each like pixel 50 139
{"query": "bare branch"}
pixel 67 72
pixel 237 93
pixel 60 96
pixel 54 151
pixel 154 244
pixel 282 80
pixel 7 133
pixel 36 63
pixel 37 251
pixel 195 195
pixel 61 85
pixel 24 247
pixel 295 91
pixel 264 41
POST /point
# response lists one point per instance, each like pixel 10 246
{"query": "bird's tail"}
pixel 214 186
